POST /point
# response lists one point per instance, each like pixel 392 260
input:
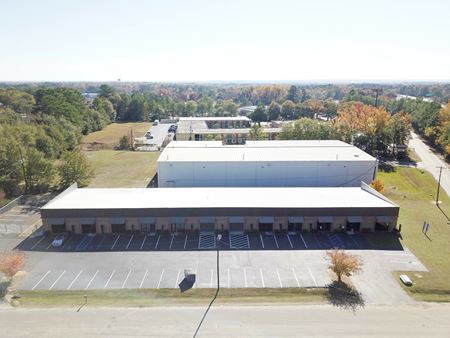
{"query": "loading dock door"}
pixel 353 223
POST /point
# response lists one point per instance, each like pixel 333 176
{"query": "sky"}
pixel 225 41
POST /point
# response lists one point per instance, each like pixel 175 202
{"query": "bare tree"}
pixel 343 264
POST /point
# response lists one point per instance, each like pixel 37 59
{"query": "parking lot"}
pixel 189 242
pixel 122 261
pixel 238 269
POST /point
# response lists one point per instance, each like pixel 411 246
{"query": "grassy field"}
pixel 414 191
pixel 163 297
pixel 122 169
pixel 109 137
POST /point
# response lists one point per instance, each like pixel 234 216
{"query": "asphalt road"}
pixel 430 320
pixel 430 161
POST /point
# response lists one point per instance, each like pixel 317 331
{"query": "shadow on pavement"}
pixel 343 296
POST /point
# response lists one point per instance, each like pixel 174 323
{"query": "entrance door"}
pixel 265 227
pixel 323 226
pixel 294 227
pixel 88 228
pixel 57 228
pixel 148 227
pixel 117 228
pixel 353 226
pixel 206 227
pixel 237 227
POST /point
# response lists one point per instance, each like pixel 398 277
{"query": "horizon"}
pixel 202 41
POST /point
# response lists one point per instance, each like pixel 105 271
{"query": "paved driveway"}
pixel 430 161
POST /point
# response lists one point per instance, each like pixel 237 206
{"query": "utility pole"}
pixel 377 92
pixel 439 183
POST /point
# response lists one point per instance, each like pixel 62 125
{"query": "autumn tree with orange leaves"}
pixel 370 128
pixel 12 262
pixel 343 264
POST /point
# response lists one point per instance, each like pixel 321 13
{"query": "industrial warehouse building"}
pixel 264 164
pixel 264 209
pixel 227 129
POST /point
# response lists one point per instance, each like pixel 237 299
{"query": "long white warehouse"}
pixel 265 164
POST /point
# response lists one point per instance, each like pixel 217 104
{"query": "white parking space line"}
pixel 49 245
pixel 303 240
pixel 129 242
pixel 74 280
pixel 262 277
pixel 37 243
pixel 171 242
pixel 262 241
pixel 143 278
pixel 160 278
pixel 125 281
pixel 118 236
pixel 143 242
pixel 245 277
pixel 92 279
pixel 276 242
pixel 310 273
pixel 295 275
pixel 109 279
pixel 212 276
pixel 354 241
pixel 290 243
pixel 101 242
pixel 279 278
pixel 185 241
pixel 40 280
pixel 57 279
pixel 157 241
pixel 176 281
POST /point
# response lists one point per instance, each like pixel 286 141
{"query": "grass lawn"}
pixel 109 137
pixel 414 191
pixel 122 169
pixel 163 297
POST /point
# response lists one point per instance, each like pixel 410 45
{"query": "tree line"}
pixel 40 136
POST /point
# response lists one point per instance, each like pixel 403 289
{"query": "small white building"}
pixel 264 164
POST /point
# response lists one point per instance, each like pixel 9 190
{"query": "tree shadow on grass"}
pixel 343 296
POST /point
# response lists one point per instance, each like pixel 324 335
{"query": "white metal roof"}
pixel 214 118
pixel 263 151
pixel 143 198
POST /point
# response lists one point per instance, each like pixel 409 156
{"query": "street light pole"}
pixel 219 237
pixel 439 185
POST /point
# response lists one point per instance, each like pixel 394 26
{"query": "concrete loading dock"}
pixel 209 210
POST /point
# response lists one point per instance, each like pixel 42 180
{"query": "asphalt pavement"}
pixel 430 161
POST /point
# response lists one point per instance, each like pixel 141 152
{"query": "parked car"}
pixel 155 123
pixel 148 137
pixel 59 239
pixel 406 280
